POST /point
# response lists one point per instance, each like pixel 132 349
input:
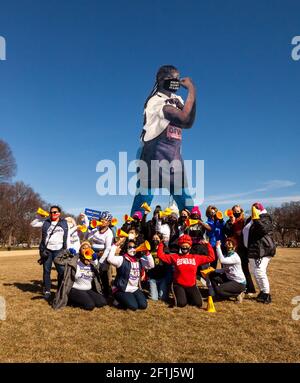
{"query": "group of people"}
pixel 166 257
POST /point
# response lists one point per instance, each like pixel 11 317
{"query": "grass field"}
pixel 247 332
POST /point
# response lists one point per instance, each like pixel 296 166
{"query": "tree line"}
pixel 19 202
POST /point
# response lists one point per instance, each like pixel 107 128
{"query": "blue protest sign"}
pixel 92 214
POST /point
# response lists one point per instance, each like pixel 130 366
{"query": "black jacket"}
pixel 260 240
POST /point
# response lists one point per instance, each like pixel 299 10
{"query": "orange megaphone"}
pixel 94 223
pixel 127 218
pixel 121 233
pixel 42 212
pixel 219 214
pixel 114 221
pixel 146 207
pixel 229 213
pixel 82 228
pixel 145 246
pixel 191 222
pixel 88 253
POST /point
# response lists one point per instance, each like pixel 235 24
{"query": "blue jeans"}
pixel 47 270
pixel 159 289
pixel 132 301
pixel 147 196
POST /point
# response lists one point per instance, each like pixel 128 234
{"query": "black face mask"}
pixel 171 85
pixel 184 251
pixel 237 215
pixel 155 242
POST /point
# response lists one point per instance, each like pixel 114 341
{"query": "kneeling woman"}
pixel 229 281
pixel 126 287
pixel 81 284
pixel 186 264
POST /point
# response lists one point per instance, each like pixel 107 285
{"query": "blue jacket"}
pixel 217 231
pixel 123 273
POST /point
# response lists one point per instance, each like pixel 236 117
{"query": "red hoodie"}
pixel 185 265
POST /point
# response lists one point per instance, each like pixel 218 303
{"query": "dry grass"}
pixel 250 332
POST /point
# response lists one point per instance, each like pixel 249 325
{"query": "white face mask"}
pixel 131 252
pixel 131 236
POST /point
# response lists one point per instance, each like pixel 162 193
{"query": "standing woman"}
pixel 165 115
pixel 54 240
pixel 261 247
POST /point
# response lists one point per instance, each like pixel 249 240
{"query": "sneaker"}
pixel 47 295
pixel 259 295
pixel 240 297
pixel 264 298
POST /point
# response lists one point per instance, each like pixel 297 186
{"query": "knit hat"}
pixel 258 206
pixel 185 239
pixel 105 215
pixel 174 209
pixel 138 215
pixel 196 210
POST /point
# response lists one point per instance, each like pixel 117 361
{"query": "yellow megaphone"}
pixel 210 305
pixel 82 228
pixel 127 218
pixel 165 213
pixel 255 213
pixel 94 223
pixel 114 221
pixel 229 213
pixel 121 233
pixel 146 207
pixel 219 214
pixel 191 222
pixel 205 272
pixel 42 212
pixel 145 246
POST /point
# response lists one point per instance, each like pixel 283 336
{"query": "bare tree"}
pixel 8 166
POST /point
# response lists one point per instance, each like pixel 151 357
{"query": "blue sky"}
pixel 77 73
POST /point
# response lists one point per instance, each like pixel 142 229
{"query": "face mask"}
pixel 230 252
pixel 184 250
pixel 155 242
pixel 131 252
pixel 54 217
pixel 237 215
pixel 131 236
pixel 171 85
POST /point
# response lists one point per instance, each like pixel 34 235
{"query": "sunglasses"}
pixel 131 247
pixel 185 248
pixel 54 212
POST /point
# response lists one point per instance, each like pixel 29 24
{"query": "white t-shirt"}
pixel 83 277
pixel 101 241
pixel 57 238
pixel 156 122
pixel 73 239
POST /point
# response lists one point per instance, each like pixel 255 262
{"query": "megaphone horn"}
pixel 121 233
pixel 190 222
pixel 228 213
pixel 42 212
pixel 145 246
pixel 219 214
pixel 95 223
pixel 82 228
pixel 114 221
pixel 127 218
pixel 146 207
